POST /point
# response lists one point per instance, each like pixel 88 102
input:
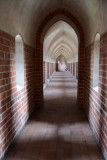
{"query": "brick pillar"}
pixel 70 67
pixel 73 68
pixel 51 69
pixel 81 76
pixel 39 75
pixel 43 72
pixel 76 70
pixel 47 70
pixel 56 67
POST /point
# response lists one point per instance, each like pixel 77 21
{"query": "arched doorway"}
pixel 44 26
pixel 60 46
pixel 61 63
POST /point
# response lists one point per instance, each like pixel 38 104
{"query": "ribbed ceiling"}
pixel 60 39
pixel 24 16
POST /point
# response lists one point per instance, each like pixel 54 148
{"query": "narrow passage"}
pixel 59 130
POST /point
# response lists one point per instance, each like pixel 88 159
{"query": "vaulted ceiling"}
pixel 24 16
pixel 60 39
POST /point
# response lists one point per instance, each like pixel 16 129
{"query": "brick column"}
pixel 56 67
pixel 81 77
pixel 70 67
pixel 51 69
pixel 47 70
pixel 73 68
pixel 39 75
pixel 76 70
pixel 43 72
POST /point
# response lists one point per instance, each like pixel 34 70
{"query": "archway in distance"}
pixel 60 40
pixel 48 21
pixel 61 63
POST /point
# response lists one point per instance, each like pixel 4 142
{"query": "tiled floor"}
pixel 58 131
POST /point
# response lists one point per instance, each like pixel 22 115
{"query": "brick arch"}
pixel 39 57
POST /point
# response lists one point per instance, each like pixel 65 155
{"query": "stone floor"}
pixel 58 131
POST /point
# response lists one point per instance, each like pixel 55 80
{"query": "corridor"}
pixel 59 130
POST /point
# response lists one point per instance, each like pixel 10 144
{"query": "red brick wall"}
pixel 96 102
pixel 73 68
pixel 76 70
pixel 56 66
pixel 45 71
pixel 48 69
pixel 68 66
pixel 15 106
pixel 52 68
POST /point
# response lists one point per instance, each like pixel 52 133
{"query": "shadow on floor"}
pixel 59 130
